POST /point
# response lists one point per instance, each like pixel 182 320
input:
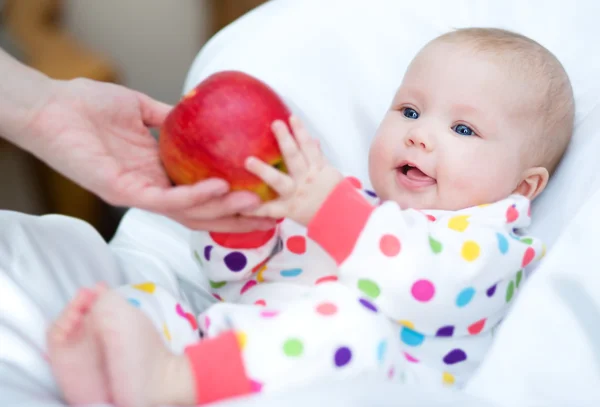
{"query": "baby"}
pixel 407 282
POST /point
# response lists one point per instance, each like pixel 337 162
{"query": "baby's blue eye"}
pixel 463 130
pixel 410 113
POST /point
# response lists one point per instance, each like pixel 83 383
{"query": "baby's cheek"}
pixel 379 159
pixel 468 186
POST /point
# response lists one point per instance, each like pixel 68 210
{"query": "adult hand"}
pixel 97 134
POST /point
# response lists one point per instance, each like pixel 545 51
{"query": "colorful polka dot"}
pixel 133 302
pixel 235 261
pixel 290 272
pixel 435 245
pixel 410 337
pixel 326 308
pixel 431 218
pixel 369 288
pixel 391 373
pixel 502 243
pixel 342 356
pixel 368 305
pixel 293 347
pixel 470 251
pixel 459 223
pixel 455 356
pixel 207 251
pixel 410 358
pixel 445 331
pixel 407 324
pixel 527 240
pixel 512 214
pixel 528 256
pixel 248 286
pixel 260 276
pixel 326 279
pixel 145 287
pixel 261 303
pixel 389 245
pixel 355 182
pixel 217 284
pixel 491 291
pixel 261 265
pixel 465 296
pixel 448 378
pixel 296 244
pixel 543 250
pixel 166 333
pixel 206 323
pixel 218 297
pixel 242 339
pixel 519 278
pixel 190 317
pixel 423 290
pixel 477 327
pixel 372 194
pixel 510 290
pixel 381 350
pixel 269 313
pixel 255 386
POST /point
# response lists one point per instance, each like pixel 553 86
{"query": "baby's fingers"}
pixel 282 183
pixel 308 145
pixel 292 156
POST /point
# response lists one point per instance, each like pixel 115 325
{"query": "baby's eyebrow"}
pixel 410 92
pixel 481 118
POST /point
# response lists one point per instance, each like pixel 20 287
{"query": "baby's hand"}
pixel 310 180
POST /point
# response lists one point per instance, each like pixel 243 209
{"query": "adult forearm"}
pixel 22 91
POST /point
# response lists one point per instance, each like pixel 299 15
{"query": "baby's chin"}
pixel 436 198
pixel 410 200
pixel 427 200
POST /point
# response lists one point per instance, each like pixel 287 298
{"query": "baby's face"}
pixel 456 133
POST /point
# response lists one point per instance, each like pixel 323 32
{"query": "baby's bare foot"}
pixel 74 354
pixel 142 372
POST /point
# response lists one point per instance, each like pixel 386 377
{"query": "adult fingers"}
pixel 153 112
pixel 176 198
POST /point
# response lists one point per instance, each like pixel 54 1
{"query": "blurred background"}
pixel 147 45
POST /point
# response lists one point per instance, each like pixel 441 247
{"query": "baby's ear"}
pixel 533 182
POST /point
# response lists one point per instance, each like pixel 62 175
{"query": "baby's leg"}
pixel 74 353
pixel 330 333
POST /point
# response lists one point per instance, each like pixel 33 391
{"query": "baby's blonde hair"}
pixel 555 101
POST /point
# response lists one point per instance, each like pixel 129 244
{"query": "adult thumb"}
pixel 153 112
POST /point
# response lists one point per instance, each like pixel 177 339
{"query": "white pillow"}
pixel 337 64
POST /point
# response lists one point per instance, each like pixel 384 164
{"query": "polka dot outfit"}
pixel 329 332
pixel 367 289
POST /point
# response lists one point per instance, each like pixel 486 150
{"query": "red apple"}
pixel 216 126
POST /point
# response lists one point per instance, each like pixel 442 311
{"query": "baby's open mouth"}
pixel 412 177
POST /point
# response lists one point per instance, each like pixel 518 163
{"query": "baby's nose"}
pixel 419 138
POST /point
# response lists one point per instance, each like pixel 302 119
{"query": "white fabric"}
pixel 337 63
